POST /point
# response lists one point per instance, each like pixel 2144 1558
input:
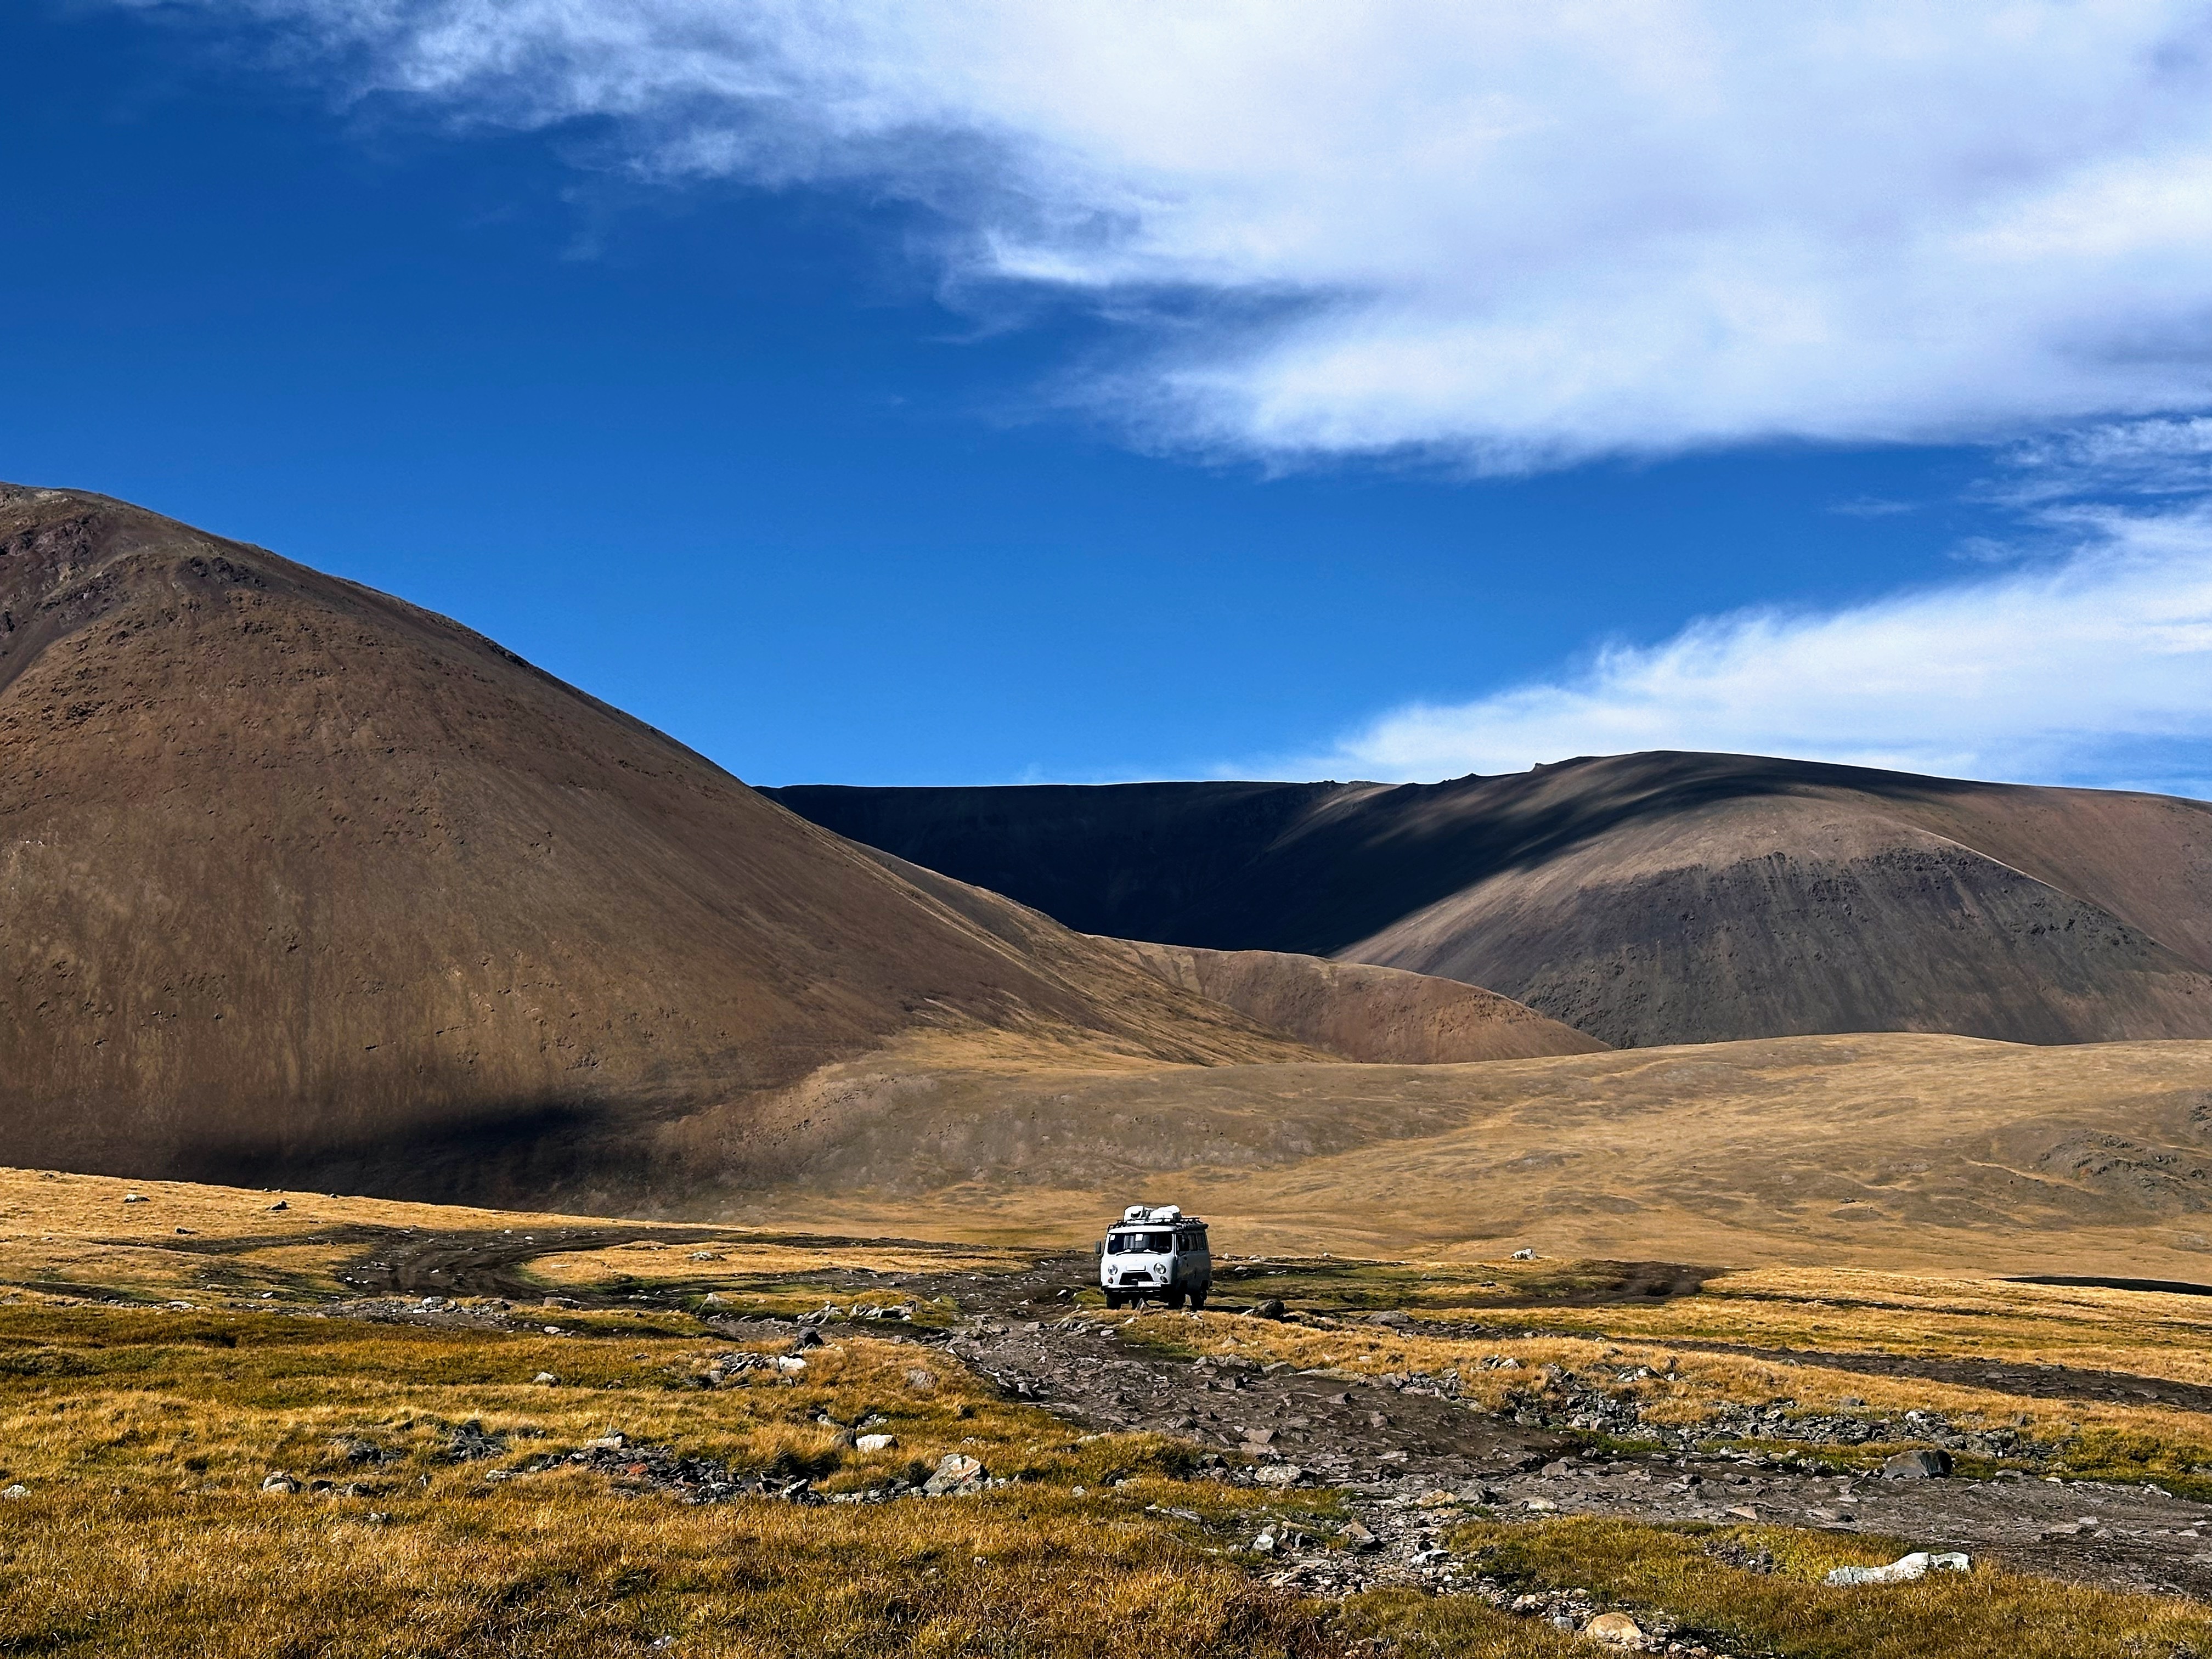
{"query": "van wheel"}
pixel 1113 1300
pixel 1198 1297
pixel 1175 1297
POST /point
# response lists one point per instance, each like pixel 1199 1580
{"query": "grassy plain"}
pixel 1753 1339
pixel 1882 1150
pixel 140 1434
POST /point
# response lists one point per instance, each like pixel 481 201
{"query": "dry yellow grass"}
pixel 1984 1614
pixel 733 1259
pixel 1888 1150
pixel 1844 1312
pixel 141 1437
pixel 2137 1333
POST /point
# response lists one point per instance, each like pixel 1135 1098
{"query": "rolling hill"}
pixel 299 881
pixel 1644 899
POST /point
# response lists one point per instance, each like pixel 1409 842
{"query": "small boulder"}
pixel 1268 1308
pixel 279 1484
pixel 18 1490
pixel 790 1364
pixel 1524 1256
pixel 920 1381
pixel 1617 1628
pixel 875 1442
pixel 134 1198
pixel 1905 1569
pixel 1278 1474
pixel 1357 1537
pixel 1928 1464
pixel 545 1379
pixel 957 1475
pixel 280 1205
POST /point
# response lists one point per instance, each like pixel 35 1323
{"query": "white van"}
pixel 1156 1253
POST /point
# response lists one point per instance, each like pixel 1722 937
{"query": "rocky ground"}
pixel 1410 1461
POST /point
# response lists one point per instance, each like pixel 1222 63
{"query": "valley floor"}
pixel 339 1427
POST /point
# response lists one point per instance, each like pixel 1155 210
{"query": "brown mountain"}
pixel 1644 899
pixel 297 878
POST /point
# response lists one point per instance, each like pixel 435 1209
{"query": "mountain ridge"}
pixel 1653 898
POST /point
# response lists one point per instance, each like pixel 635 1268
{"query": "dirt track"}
pixel 1410 1461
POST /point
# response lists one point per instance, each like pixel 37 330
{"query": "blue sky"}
pixel 865 407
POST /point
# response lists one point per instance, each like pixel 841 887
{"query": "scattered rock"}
pixel 920 1381
pixel 279 1484
pixel 1924 1465
pixel 471 1441
pixel 1524 1256
pixel 1918 1564
pixel 875 1442
pixel 790 1364
pixel 18 1490
pixel 1617 1628
pixel 280 1205
pixel 1278 1474
pixel 545 1379
pixel 1357 1537
pixel 562 1302
pixel 956 1476
pixel 1268 1308
pixel 134 1198
pixel 809 1338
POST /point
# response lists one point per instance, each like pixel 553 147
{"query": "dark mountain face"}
pixel 1641 898
pixel 298 880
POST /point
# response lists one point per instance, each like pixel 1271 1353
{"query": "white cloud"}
pixel 2097 669
pixel 2133 458
pixel 1515 234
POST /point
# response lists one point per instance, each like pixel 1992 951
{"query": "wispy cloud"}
pixel 2096 668
pixel 1515 235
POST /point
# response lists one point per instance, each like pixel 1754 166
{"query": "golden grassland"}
pixel 69 1234
pixel 142 1439
pixel 1606 1346
pixel 1872 1150
pixel 141 1435
pixel 1987 1614
pixel 735 1260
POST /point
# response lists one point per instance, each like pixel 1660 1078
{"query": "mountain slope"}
pixel 298 878
pixel 1644 898
pixel 1379 1016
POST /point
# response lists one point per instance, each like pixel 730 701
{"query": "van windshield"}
pixel 1139 1243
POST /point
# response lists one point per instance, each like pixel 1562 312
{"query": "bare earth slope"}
pixel 1349 1011
pixel 1382 1015
pixel 297 878
pixel 1644 899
